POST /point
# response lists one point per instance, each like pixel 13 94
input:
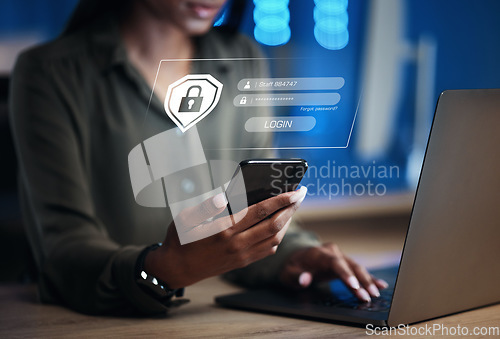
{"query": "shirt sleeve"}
pixel 79 265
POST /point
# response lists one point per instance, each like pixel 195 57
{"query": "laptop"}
pixel 451 257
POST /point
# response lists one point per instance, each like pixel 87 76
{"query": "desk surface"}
pixel 22 317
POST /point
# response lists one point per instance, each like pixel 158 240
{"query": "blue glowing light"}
pixel 342 17
pixel 329 36
pixel 331 7
pixel 272 31
pixel 271 6
pixel 270 3
pixel 272 19
pixel 331 28
pixel 220 20
pixel 258 14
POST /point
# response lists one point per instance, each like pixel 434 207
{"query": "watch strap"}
pixel 153 286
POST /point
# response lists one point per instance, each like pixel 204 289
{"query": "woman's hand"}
pixel 256 234
pixel 327 262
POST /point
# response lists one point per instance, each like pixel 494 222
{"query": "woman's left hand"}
pixel 327 262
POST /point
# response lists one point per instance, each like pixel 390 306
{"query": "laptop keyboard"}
pixel 382 303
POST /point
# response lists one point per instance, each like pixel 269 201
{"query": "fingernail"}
pixel 305 279
pixel 353 282
pixel 220 200
pixel 363 295
pixel 299 195
pixel 373 291
pixel 384 283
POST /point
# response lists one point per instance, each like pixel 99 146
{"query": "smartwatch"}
pixel 155 287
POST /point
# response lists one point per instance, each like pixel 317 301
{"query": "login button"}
pixel 280 124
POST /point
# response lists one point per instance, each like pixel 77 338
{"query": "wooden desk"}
pixel 22 317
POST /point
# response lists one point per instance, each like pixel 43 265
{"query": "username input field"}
pixel 291 84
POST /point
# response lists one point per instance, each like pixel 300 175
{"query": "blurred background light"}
pixel 342 17
pixel 332 7
pixel 259 14
pixel 272 19
pixel 331 34
pixel 331 23
pixel 220 20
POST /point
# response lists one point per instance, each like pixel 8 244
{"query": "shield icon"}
pixel 192 98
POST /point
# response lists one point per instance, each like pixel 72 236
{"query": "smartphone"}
pixel 263 179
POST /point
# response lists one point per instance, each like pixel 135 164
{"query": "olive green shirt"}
pixel 78 107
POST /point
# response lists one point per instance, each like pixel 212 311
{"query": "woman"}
pixel 77 104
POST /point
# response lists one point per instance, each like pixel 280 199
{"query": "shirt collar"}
pixel 110 51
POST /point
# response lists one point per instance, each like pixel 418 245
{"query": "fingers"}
pixel 269 246
pixel 247 255
pixel 271 242
pixel 364 278
pixel 264 209
pixel 225 230
pixel 262 229
pixel 368 281
pixel 296 277
pixel 305 279
pixel 269 227
pixel 342 268
pixel 328 262
pixel 380 283
pixel 195 215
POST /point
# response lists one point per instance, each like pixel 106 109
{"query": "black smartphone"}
pixel 263 179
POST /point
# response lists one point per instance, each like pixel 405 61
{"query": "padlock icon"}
pixel 190 103
pixel 243 101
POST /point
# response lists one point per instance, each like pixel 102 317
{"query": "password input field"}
pixel 287 99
